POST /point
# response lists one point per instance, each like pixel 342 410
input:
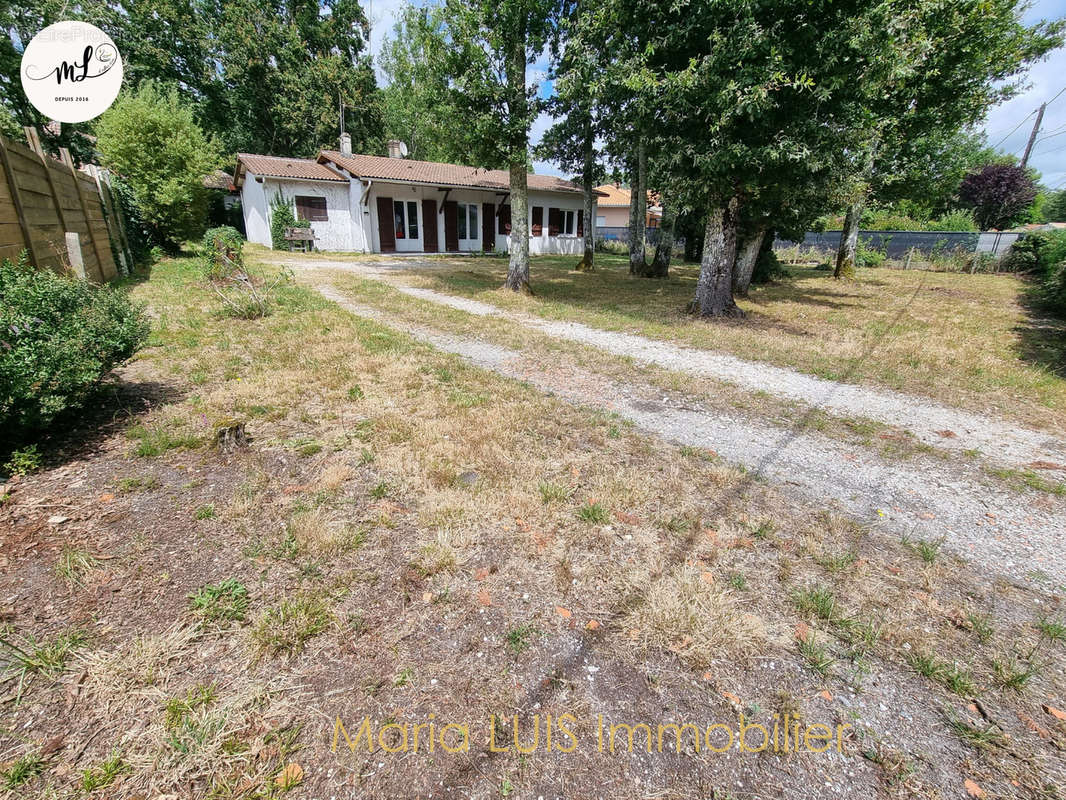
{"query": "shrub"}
pixel 281 217
pixel 152 139
pixel 867 256
pixel 960 220
pixel 222 252
pixel 58 337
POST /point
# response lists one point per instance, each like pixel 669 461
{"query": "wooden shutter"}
pixel 555 221
pixel 580 222
pixel 488 230
pixel 451 225
pixel 538 220
pixel 386 233
pixel 505 220
pixel 430 243
pixel 311 208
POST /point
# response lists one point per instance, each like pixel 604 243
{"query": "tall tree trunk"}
pixel 587 264
pixel 747 253
pixel 638 210
pixel 714 289
pixel 518 265
pixel 664 250
pixel 849 242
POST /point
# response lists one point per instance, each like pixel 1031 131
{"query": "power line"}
pixel 1001 141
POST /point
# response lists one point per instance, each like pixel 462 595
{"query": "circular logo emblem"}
pixel 71 71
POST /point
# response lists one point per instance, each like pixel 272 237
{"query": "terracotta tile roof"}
pixel 432 172
pixel 219 179
pixel 613 195
pixel 277 167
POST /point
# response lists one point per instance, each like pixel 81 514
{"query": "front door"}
pixel 488 227
pixel 429 227
pixel 451 226
pixel 386 223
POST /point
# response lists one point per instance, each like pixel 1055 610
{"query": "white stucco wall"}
pixel 336 233
pixel 537 244
pixel 353 223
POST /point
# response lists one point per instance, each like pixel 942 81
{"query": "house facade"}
pixel 377 204
pixel 613 207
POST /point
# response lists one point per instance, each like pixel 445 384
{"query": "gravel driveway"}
pixel 925 497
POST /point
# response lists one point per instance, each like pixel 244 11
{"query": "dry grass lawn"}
pixel 965 340
pixel 407 539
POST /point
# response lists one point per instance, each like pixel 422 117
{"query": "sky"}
pixel 1007 126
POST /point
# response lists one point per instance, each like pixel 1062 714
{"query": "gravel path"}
pixel 942 426
pixel 924 497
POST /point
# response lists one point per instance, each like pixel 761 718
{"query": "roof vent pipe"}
pixel 346 145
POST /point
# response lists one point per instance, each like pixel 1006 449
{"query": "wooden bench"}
pixel 302 239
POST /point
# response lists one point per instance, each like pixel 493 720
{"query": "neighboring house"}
pixel 614 207
pixel 377 204
pixel 222 182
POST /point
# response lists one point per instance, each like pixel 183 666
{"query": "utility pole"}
pixel 1032 136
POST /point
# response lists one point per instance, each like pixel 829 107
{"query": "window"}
pixel 537 227
pixel 601 222
pixel 406 219
pixel 468 222
pixel 505 219
pixel 412 219
pixel 569 223
pixel 555 221
pixel 311 208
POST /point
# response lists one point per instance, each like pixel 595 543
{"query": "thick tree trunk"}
pixel 638 211
pixel 518 266
pixel 747 253
pixel 714 289
pixel 849 242
pixel 664 250
pixel 587 260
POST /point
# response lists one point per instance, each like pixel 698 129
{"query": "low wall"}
pixel 896 244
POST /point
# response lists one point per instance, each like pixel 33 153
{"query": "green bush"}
pixel 867 256
pixel 222 252
pixel 1043 252
pixel 151 137
pixel 281 217
pixel 961 220
pixel 58 337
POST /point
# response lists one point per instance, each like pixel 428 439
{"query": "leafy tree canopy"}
pixel 999 195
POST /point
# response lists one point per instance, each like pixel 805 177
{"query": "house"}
pixel 614 208
pixel 378 204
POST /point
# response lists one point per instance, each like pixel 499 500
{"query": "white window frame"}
pixel 569 226
pixel 473 223
pixel 407 237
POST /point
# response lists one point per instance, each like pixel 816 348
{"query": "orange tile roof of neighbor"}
pixel 611 194
pixel 432 172
pixel 277 167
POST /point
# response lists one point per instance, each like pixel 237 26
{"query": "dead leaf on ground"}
pixel 565 613
pixel 973 789
pixel 1056 713
pixel 483 598
pixel 290 776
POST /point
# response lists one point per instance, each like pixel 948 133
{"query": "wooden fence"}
pixel 62 217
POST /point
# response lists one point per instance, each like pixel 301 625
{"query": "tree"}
pixel 1055 207
pixel 999 195
pixel 493 41
pixel 946 67
pixel 285 66
pixel 151 139
pixel 571 141
pixel 419 107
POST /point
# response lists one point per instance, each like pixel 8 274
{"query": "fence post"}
pixel 77 260
pixel 16 200
pixel 65 154
pixel 35 145
pixel 114 230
